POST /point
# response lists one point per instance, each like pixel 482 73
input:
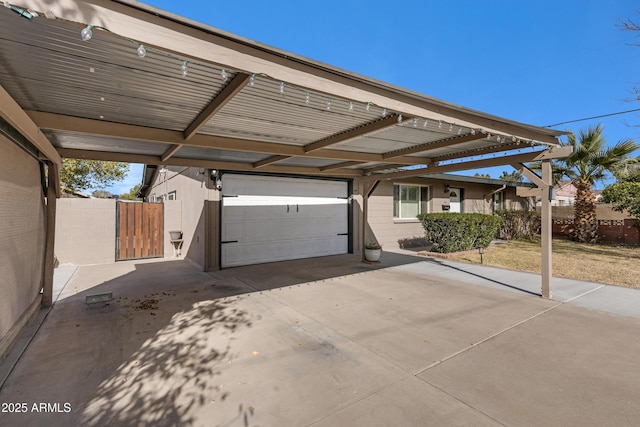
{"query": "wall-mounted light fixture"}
pixel 447 189
pixel 215 178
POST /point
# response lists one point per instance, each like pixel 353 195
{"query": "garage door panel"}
pixel 289 228
pixel 268 219
pixel 244 213
pixel 235 254
pixel 282 186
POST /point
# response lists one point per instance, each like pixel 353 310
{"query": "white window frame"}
pixel 421 202
pixel 152 198
pixel 171 195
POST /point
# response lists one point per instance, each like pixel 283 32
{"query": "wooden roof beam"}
pixel 170 152
pixel 355 132
pixel 458 139
pixel 553 153
pixel 214 164
pixel 268 161
pixel 19 119
pixel 479 152
pixel 230 90
pixel 103 128
pixel 339 166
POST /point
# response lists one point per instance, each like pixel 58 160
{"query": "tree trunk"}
pixel 585 222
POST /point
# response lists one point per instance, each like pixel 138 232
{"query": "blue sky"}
pixel 539 62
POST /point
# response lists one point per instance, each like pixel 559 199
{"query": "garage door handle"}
pixel 228 241
pixel 343 234
pixel 287 208
pixel 297 208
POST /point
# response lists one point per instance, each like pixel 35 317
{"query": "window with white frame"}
pixel 171 195
pixel 409 201
pixel 152 198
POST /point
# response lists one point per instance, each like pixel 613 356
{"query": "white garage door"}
pixel 267 219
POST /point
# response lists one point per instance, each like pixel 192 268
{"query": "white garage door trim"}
pixel 274 218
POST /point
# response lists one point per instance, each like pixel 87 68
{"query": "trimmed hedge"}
pixel 519 224
pixel 453 232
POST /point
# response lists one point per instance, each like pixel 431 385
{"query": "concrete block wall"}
pixel 86 231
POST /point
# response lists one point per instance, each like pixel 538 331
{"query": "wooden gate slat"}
pixel 145 230
pixel 131 224
pixel 122 237
pixel 137 233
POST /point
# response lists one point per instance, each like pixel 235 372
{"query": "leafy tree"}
pixel 102 194
pixel 590 162
pixel 625 194
pixel 482 175
pixel 78 175
pixel 131 195
pixel 514 176
pixel 629 171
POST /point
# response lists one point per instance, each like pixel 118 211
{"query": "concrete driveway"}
pixel 325 342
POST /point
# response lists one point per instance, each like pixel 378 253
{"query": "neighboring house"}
pixel 565 194
pixel 71 194
pixel 264 218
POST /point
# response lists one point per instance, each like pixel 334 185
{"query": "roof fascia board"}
pixel 187 39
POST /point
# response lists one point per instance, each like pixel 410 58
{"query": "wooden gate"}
pixel 139 230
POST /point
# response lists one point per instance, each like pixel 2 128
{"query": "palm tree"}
pixel 590 162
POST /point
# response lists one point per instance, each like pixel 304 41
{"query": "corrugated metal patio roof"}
pixel 98 99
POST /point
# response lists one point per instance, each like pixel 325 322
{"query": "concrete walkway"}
pixel 330 342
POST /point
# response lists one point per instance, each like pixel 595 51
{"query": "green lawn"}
pixel 603 263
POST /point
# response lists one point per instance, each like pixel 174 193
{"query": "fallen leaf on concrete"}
pixel 148 304
pixel 255 353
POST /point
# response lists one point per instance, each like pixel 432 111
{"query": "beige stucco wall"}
pixel 382 227
pixel 389 231
pixel 191 187
pixel 22 239
pixel 86 231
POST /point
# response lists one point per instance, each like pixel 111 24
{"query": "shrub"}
pixel 519 224
pixel 453 232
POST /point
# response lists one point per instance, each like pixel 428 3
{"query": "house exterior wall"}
pixel 392 232
pixel 198 206
pixel 86 231
pixel 22 240
pixel 383 227
pixel 192 191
